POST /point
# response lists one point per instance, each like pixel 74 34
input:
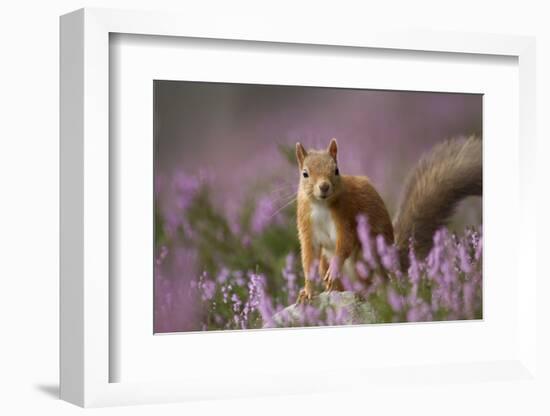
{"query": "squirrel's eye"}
pixel 337 172
pixel 306 175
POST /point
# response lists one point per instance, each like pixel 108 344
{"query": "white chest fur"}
pixel 323 227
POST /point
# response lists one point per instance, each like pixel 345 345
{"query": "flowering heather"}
pixel 206 278
pixel 363 231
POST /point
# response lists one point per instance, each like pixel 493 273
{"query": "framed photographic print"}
pixel 273 193
pixel 243 212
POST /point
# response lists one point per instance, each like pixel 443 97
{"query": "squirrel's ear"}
pixel 300 154
pixel 333 148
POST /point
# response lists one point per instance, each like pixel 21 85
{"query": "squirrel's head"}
pixel 319 175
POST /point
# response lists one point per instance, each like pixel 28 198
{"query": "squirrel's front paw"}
pixel 332 281
pixel 305 295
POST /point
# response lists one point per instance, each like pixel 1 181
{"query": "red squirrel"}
pixel 329 204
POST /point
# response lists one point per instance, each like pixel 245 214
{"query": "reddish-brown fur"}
pixel 349 197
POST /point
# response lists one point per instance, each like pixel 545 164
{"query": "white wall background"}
pixel 29 201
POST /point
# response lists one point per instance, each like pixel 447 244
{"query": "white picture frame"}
pixel 85 220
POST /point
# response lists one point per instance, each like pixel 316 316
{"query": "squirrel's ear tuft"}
pixel 300 154
pixel 333 148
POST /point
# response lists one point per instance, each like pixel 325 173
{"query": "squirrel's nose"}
pixel 324 187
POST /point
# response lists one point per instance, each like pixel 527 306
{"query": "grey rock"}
pixel 328 308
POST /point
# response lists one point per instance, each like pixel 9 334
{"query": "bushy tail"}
pixel 450 172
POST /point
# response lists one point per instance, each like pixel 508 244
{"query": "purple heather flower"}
pixel 389 260
pixel 439 236
pixel 362 270
pixel 388 254
pixel 465 265
pixel 420 312
pixel 363 232
pixel 238 276
pixel 162 255
pixel 289 261
pixel 290 276
pixel 288 270
pixel 347 283
pixel 342 316
pixel 225 289
pixel 263 215
pixel 335 266
pixel 330 318
pixel 434 262
pixel 232 215
pixel 208 289
pixel 337 316
pixel 395 300
pixel 314 271
pixel 172 222
pixel 236 302
pixel 223 275
pixel 311 315
pixel 373 287
pixel 479 248
pixel 381 247
pixel 185 188
pixel 449 272
pixel 266 310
